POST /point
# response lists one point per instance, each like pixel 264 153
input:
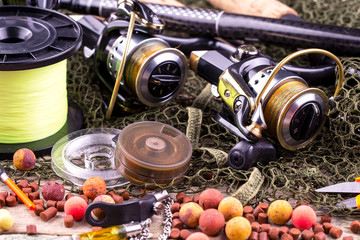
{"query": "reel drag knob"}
pixel 306 121
pixel 164 79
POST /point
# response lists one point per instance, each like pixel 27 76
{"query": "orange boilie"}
pixel 94 187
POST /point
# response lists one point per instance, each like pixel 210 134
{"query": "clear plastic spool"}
pixel 88 153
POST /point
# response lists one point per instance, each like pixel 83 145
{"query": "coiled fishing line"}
pixel 33 103
pixel 34 46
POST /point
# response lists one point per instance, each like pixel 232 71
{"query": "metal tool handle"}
pixel 116 214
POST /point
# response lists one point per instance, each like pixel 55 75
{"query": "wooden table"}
pixel 55 227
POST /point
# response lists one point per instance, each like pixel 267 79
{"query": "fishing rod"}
pixel 214 23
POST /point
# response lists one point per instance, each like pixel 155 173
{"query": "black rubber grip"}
pixel 301 34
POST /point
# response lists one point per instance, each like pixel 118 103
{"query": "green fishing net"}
pixel 333 157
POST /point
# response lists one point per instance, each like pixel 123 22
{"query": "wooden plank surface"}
pixel 23 216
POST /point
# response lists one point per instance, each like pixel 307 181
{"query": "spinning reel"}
pixel 141 70
pixel 258 95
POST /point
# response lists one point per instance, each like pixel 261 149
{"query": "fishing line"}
pixel 33 103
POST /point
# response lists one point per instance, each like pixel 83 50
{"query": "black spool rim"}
pixel 33 37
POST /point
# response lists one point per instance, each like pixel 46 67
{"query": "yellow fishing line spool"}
pixel 33 103
pixel 34 46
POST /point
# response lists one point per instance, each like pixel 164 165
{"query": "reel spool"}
pixel 87 153
pixel 34 46
pixel 152 152
pixel 294 113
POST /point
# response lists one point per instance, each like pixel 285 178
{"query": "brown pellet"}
pixel 177 223
pixel 264 206
pixel 125 195
pixel 325 218
pixel 348 238
pixel 355 226
pixel 69 221
pixel 317 227
pixel 263 236
pixel 187 199
pixel 184 233
pixel 283 229
pixel 255 227
pixel 175 215
pixel 179 197
pixel 254 236
pixel 335 232
pixel 31 229
pixel 320 236
pixel 23 184
pixel 38 209
pixel 196 198
pixel 50 203
pixel 273 233
pixel 327 226
pixel 250 217
pixel 257 211
pixel 68 196
pixel 111 193
pixel 11 201
pixel 48 214
pixel 175 207
pixel 144 192
pixel 34 186
pixel 295 233
pixel 265 227
pixel 117 198
pixel 95 228
pixel 2 201
pixel 307 235
pixel 39 201
pixel 286 236
pixel 34 195
pixel 262 218
pixel 5 194
pixel 174 233
pixel 248 209
pixel 84 197
pixel 60 206
pixel 27 190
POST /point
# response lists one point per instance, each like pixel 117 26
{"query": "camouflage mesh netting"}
pixel 333 157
